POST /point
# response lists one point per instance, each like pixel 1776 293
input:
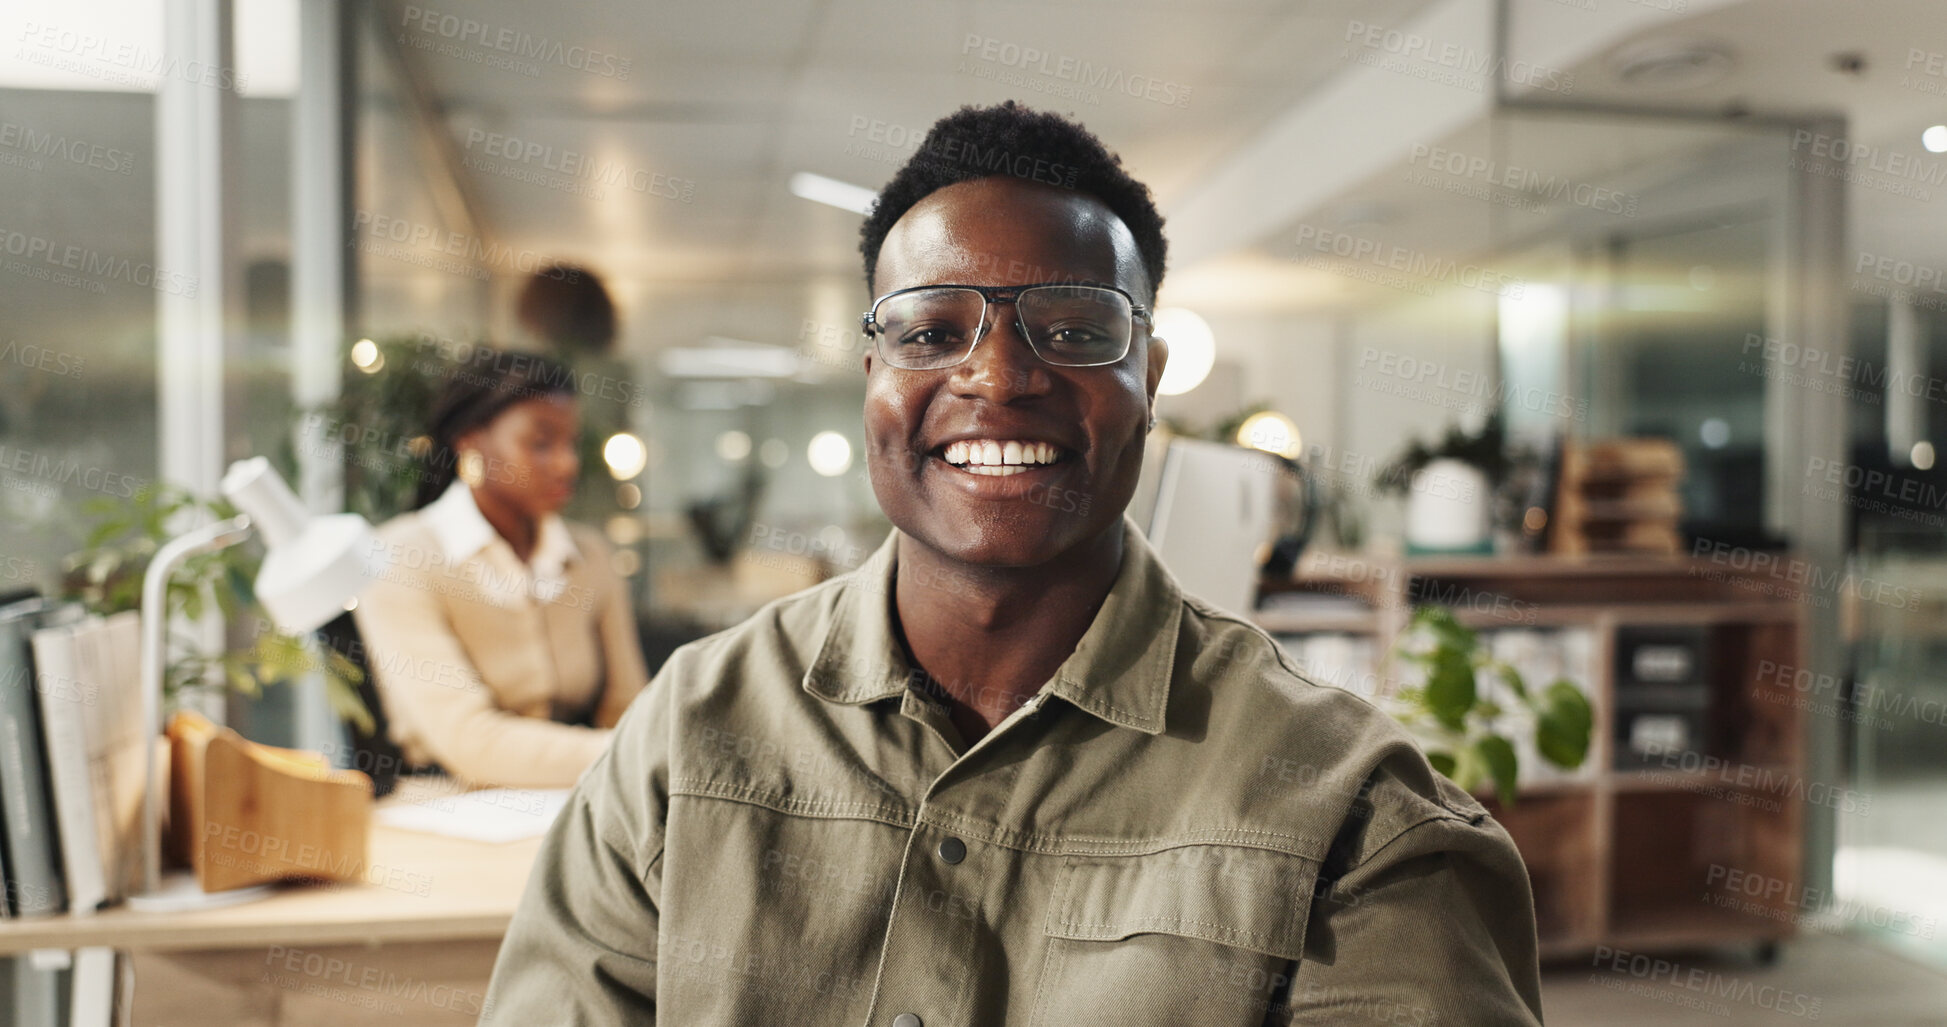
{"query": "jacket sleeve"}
pixel 428 683
pixel 1429 924
pixel 582 945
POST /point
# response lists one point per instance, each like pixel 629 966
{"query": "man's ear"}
pixel 1159 356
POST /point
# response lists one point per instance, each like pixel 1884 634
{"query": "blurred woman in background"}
pixel 501 639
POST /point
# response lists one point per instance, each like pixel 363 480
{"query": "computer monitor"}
pixel 1211 511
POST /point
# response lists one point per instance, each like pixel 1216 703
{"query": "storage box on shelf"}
pixel 1686 796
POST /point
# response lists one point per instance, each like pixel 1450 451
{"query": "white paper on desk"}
pixel 488 815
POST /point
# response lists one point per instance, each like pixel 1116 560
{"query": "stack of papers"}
pixel 488 815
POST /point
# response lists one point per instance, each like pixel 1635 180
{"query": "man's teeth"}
pixel 992 456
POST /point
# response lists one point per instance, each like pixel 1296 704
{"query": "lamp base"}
pixel 179 893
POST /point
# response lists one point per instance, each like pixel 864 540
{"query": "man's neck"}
pixel 990 637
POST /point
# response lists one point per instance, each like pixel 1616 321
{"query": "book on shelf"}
pixel 27 828
pixel 98 751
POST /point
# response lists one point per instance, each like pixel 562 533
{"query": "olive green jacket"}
pixel 1179 829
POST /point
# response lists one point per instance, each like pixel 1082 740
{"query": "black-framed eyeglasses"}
pixel 929 327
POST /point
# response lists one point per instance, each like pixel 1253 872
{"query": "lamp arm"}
pixel 155 618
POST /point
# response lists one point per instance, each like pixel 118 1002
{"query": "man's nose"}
pixel 1002 365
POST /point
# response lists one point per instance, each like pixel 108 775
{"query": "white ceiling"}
pixel 736 95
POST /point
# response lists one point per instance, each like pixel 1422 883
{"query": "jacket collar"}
pixel 1120 670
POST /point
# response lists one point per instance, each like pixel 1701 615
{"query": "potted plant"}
pixel 1459 724
pixel 1449 487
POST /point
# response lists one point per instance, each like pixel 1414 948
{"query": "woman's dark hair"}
pixel 1009 139
pixel 568 306
pixel 478 389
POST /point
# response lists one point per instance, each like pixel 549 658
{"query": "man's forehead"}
pixel 990 232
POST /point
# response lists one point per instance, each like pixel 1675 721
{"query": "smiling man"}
pixel 1006 772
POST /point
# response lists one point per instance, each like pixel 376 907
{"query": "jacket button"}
pixel 953 850
pixel 906 1020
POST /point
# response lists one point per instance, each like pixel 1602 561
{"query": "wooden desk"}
pixel 418 887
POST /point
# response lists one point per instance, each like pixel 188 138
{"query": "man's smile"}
pixel 1000 457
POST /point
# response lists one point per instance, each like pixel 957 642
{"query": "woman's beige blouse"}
pixel 478 657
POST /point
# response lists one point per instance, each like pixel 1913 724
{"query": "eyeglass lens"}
pixel 1068 325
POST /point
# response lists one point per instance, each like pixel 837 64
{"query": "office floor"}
pixel 1842 980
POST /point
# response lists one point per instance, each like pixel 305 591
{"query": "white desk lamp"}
pixel 314 568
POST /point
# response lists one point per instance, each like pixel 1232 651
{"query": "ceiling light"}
pixel 1271 432
pixel 366 356
pixel 733 446
pixel 1935 139
pixel 1662 66
pixel 832 192
pixel 625 455
pixel 729 358
pixel 1193 349
pixel 829 454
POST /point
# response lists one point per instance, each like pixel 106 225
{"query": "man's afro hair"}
pixel 1009 139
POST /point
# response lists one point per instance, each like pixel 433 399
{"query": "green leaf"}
pixel 1564 721
pixel 1442 762
pixel 1446 628
pixel 1469 768
pixel 1502 764
pixel 1450 687
pixel 1513 678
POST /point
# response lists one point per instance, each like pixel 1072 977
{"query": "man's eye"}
pixel 927 338
pixel 1075 335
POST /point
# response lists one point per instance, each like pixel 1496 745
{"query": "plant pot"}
pixel 1447 510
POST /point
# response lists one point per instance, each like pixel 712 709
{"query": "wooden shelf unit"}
pixel 1630 858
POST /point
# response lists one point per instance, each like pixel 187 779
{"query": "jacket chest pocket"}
pixel 1202 934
